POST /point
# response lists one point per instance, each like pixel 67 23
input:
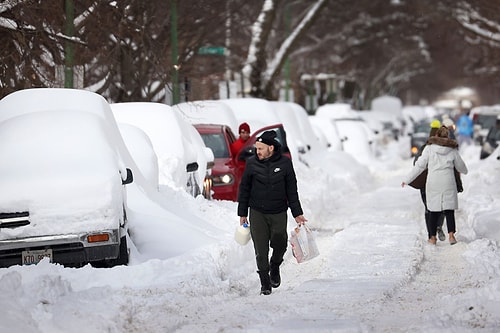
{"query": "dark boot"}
pixel 275 275
pixel 265 283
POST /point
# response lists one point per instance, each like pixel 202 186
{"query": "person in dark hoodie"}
pixel 440 157
pixel 268 188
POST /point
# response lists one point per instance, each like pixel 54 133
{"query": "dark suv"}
pixel 228 168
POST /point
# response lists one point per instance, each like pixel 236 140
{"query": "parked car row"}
pixel 68 156
pixel 354 134
pixel 183 161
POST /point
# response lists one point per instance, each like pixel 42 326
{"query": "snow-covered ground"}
pixel 375 272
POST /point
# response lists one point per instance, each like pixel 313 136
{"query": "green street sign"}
pixel 212 50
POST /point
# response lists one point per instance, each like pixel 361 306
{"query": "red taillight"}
pixel 98 238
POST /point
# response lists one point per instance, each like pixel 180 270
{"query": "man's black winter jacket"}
pixel 269 186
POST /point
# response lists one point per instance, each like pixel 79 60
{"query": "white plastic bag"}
pixel 303 244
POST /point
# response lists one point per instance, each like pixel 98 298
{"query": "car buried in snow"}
pixel 62 180
pixel 183 159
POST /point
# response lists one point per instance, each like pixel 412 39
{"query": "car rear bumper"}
pixel 68 250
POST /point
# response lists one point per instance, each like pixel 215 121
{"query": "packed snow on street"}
pixel 375 272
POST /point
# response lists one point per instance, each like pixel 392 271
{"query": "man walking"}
pixel 268 187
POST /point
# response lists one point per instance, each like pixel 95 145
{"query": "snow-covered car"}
pixel 295 138
pixel 393 108
pixel 258 113
pixel 326 132
pixel 208 112
pixel 417 113
pixel 141 149
pixel 491 141
pixel 335 110
pixel 217 124
pixel 62 180
pixel 183 159
pixel 313 144
pixel 483 118
pixel 358 139
pixel 381 124
pixel 226 172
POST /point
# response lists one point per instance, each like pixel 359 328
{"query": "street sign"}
pixel 212 50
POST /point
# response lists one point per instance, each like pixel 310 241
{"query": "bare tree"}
pixel 256 68
pixel 31 44
pixel 411 49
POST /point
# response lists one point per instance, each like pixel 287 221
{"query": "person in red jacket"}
pixel 244 132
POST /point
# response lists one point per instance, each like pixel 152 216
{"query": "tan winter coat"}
pixel 440 157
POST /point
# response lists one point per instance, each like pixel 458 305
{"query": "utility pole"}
pixel 175 73
pixel 287 60
pixel 69 52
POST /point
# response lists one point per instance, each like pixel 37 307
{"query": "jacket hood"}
pixel 445 142
pixel 442 146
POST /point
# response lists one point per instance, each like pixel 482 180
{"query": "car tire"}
pixel 122 259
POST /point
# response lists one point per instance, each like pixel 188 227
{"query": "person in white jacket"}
pixel 440 157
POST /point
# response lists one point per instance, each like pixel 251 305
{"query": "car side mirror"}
pixel 192 167
pixel 129 179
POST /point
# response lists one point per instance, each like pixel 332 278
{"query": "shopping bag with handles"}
pixel 303 244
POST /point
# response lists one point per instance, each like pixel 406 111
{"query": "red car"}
pixel 227 172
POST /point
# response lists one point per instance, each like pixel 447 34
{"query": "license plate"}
pixel 34 257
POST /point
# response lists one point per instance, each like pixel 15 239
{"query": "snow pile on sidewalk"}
pixel 372 243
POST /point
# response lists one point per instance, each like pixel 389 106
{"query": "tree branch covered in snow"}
pixel 256 60
pixel 286 47
pixel 478 24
